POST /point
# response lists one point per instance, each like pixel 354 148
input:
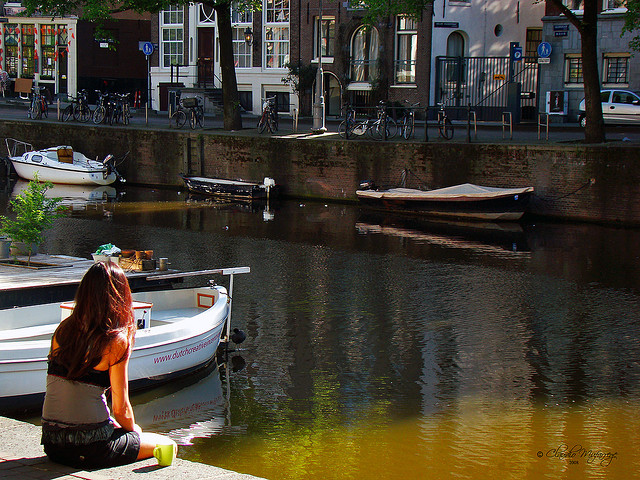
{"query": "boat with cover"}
pixel 230 189
pixel 178 333
pixel 59 164
pixel 466 201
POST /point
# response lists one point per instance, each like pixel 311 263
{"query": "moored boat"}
pixel 178 333
pixel 60 164
pixel 230 189
pixel 465 201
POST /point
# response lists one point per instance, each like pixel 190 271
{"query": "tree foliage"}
pixel 632 23
pixel 376 9
pixel 300 78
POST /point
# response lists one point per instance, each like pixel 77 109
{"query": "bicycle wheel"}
pixel 274 122
pixel 178 119
pixel 446 128
pixel 375 130
pixel 67 113
pixel 45 108
pixel 126 115
pixel 99 114
pixel 36 113
pixel 262 124
pixel 193 119
pixel 407 127
pixel 271 124
pixel 85 114
pixel 342 129
pixel 76 112
pixel 392 128
pixel 201 117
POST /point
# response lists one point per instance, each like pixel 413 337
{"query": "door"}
pixel 206 37
pixel 63 82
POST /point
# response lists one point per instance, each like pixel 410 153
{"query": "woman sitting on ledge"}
pixel 89 353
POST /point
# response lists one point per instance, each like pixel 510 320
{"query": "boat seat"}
pixel 39 332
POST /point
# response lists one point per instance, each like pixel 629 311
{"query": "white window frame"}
pixel 368 65
pixel 608 6
pixel 329 48
pixel 240 21
pixel 172 20
pixel 276 34
pixel 411 60
pixel 567 70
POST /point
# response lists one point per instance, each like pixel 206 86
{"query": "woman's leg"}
pixel 148 442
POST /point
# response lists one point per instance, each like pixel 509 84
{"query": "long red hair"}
pixel 102 312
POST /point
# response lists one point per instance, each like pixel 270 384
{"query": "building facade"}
pixel 563 75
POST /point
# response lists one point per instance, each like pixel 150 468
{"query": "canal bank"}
pixel 573 181
pixel 22 457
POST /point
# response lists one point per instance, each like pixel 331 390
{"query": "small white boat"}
pixel 59 164
pixel 178 333
pixel 230 189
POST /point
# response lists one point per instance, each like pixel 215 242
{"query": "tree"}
pixel 587 26
pixel 300 78
pixel 98 10
pixel 632 22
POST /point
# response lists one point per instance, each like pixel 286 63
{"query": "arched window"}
pixel 364 55
pixel 455 62
pixel 455 45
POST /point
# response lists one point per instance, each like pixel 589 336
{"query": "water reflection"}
pixel 76 197
pixel 376 354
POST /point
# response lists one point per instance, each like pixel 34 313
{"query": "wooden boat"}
pixel 178 333
pixel 230 189
pixel 466 201
pixel 59 164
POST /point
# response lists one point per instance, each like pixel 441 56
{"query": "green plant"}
pixel 300 78
pixel 34 214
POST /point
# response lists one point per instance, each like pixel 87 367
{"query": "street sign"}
pixel 544 49
pixel 544 60
pixel 517 54
pixel 147 48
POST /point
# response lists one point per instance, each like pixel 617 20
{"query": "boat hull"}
pixel 494 205
pixel 70 174
pixel 226 189
pixel 183 339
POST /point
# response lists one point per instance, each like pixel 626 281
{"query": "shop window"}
pixel 11 38
pixel 28 51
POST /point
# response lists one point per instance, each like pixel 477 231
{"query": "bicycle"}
pixel 196 114
pixel 188 108
pixel 100 113
pixel 78 109
pixel 39 105
pixel 408 125
pixel 384 127
pixel 269 117
pixel 347 125
pixel 445 127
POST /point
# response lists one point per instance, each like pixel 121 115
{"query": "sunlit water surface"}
pixel 381 348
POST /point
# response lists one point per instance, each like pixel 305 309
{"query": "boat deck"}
pixel 56 279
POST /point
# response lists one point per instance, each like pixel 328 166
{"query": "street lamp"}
pixel 318 107
pixel 248 36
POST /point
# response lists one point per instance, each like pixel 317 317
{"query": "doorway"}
pixel 206 39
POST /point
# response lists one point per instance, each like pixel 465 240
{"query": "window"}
pixel 172 36
pixel 613 4
pixel 574 4
pixel 241 51
pixel 364 55
pixel 327 41
pixel 454 69
pixel 624 97
pixel 616 69
pixel 573 69
pixel 11 37
pixel 246 100
pixel 282 100
pixel 533 39
pixel 406 49
pixel 48 45
pixel 276 47
pixel 239 15
pixel 277 11
pixel 28 51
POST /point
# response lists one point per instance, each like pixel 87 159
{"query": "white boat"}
pixel 59 164
pixel 178 333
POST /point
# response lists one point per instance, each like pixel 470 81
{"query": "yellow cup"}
pixel 165 454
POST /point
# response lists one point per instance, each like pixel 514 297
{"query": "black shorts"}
pixel 120 449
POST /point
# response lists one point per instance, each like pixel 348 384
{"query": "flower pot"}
pixel 22 249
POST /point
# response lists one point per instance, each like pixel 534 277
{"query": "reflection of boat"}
pixel 467 201
pixel 188 411
pixel 59 165
pixel 230 189
pixel 482 237
pixel 73 195
pixel 178 332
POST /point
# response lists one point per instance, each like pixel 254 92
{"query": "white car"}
pixel 618 106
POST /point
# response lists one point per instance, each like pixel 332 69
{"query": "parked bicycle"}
pixel 189 108
pixel 375 128
pixel 408 125
pixel 445 127
pixel 38 106
pixel 269 118
pixel 78 109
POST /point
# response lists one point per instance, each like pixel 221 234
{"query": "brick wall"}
pixel 592 183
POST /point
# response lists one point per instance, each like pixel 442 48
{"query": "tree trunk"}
pixel 594 131
pixel 230 97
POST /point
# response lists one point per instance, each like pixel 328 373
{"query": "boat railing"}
pixel 217 271
pixel 17 148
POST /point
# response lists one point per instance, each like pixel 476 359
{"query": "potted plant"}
pixel 34 213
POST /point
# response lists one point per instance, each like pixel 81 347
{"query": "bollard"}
pixel 426 124
pixel 58 104
pixel 295 119
pixel 146 114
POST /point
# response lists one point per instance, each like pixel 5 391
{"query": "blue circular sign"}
pixel 544 50
pixel 147 48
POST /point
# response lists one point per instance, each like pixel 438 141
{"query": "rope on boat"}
pixel 590 182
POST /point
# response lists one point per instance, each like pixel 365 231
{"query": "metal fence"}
pixel 482 83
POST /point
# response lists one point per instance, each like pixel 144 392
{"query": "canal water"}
pixel 382 348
